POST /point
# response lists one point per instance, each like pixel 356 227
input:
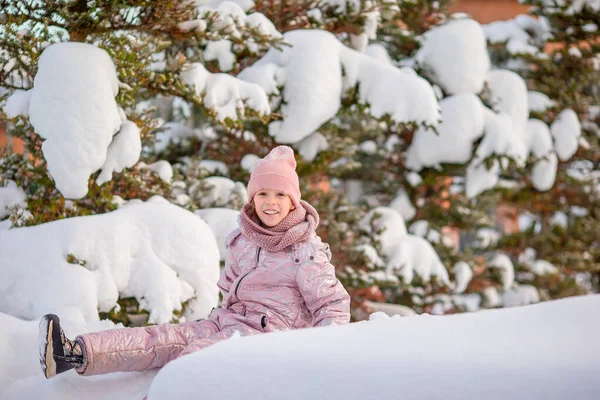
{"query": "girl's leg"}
pixel 139 349
pixel 202 342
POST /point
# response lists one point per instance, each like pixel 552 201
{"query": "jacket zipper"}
pixel 248 273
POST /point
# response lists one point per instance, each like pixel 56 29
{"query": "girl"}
pixel 277 277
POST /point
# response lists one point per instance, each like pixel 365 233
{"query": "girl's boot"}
pixel 57 353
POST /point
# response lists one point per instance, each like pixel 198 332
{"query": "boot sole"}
pixel 45 340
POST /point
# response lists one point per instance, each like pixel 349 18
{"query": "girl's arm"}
pixel 231 272
pixel 323 293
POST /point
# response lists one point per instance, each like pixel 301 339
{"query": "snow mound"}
pixel 525 361
pixel 159 253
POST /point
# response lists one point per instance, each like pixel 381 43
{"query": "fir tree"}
pixel 566 219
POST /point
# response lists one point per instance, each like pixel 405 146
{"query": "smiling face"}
pixel 272 206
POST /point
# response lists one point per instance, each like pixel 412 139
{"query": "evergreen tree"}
pixel 565 219
pixel 357 167
pixel 149 43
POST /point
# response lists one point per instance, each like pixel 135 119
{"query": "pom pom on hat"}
pixel 277 171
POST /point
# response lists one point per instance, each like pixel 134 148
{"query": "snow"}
pixel 560 219
pixel 222 221
pixel 214 166
pixel 523 30
pixel 18 103
pixel 487 237
pixel 542 267
pixel 248 162
pixel 390 310
pixel 507 132
pixel 226 95
pixel 510 133
pixel 525 361
pixel 577 5
pixel 415 256
pixel 231 18
pixel 507 271
pixel 498 136
pixel 16 365
pixel 387 221
pixel 313 84
pixel 159 253
pixel 10 196
pixel 509 96
pixel 543 174
pixel 453 142
pixel 176 133
pixel 572 7
pixel 368 147
pixel 123 152
pixel 583 170
pixel 421 228
pixel 374 261
pixel 217 191
pixel 164 255
pixel 369 27
pixel 378 52
pixel 413 178
pixel 220 50
pixel 262 24
pixel 516 47
pixel 162 168
pixel 311 146
pixel 566 131
pixel 405 254
pixel 527 256
pixel 72 106
pixel 539 102
pixel 456 57
pixel 541 351
pixel 463 273
pixel 527 220
pixel 520 295
pixel 245 5
pixel 402 204
pixel 591 27
pixel 504 31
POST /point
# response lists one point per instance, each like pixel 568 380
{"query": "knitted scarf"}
pixel 296 227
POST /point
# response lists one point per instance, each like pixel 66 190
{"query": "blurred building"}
pixel 486 11
pixel 5 140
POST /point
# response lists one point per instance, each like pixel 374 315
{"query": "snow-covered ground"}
pixel 543 351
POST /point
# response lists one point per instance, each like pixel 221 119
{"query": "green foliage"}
pixel 72 259
pixel 127 312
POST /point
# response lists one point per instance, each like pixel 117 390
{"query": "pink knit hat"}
pixel 277 171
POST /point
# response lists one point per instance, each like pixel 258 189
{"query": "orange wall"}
pixel 3 138
pixel 16 143
pixel 486 11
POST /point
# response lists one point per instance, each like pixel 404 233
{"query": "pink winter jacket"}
pixel 262 292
